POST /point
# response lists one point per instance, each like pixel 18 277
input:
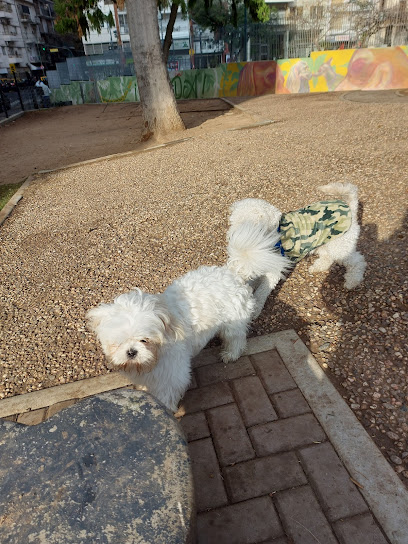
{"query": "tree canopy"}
pixel 80 17
pixel 214 14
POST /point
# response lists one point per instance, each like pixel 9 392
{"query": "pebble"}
pixel 395 459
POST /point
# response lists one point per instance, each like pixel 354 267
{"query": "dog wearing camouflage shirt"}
pixel 328 228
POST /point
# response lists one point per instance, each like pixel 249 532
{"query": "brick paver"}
pixel 364 526
pixel 204 398
pixel 230 437
pixel 286 434
pixel 195 426
pixel 303 518
pixel 339 496
pixel 253 401
pixel 210 493
pixel 251 521
pixel 218 372
pixel 273 372
pixel 290 403
pixel 263 467
pixel 263 476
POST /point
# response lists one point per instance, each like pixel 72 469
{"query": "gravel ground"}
pixel 84 235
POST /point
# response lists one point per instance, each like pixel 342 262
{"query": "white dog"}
pixel 328 228
pixel 154 337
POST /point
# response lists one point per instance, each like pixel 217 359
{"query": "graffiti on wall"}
pixel 194 84
pixel 323 71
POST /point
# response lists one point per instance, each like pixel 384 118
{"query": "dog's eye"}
pixel 144 341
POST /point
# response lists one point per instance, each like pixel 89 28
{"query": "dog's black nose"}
pixel 131 353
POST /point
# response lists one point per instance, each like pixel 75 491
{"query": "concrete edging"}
pixel 28 402
pixel 12 203
pixel 11 118
pixel 384 492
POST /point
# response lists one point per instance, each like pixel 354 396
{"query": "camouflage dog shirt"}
pixel 311 227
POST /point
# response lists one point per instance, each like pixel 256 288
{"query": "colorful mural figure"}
pixel 328 72
pixel 323 71
pixel 376 69
pixel 299 77
pixel 259 78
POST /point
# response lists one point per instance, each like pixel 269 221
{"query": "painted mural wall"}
pixel 323 71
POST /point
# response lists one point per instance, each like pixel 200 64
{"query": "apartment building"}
pixel 28 40
pixel 191 46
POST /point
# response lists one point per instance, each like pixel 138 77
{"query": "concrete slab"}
pixel 114 468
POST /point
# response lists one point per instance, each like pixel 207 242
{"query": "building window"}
pixel 316 12
pixel 25 9
pixel 123 23
pixel 296 12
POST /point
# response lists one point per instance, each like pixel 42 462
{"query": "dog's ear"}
pixel 95 315
pixel 172 326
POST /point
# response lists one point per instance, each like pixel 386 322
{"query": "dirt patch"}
pixel 48 139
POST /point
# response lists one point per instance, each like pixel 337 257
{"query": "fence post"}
pixel 18 91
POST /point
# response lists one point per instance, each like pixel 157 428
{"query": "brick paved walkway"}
pixel 269 466
pixel 264 470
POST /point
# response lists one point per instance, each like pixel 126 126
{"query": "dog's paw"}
pixel 319 266
pixel 351 284
pixel 227 357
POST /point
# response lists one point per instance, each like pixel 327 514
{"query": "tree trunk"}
pixel 117 25
pixel 169 31
pixel 159 109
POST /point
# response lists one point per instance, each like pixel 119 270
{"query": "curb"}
pixel 239 108
pixel 14 200
pixel 115 156
pixel 255 125
pixel 11 118
pixel 28 402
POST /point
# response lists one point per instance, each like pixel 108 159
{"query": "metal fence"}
pixel 300 30
pixel 20 99
pixel 91 68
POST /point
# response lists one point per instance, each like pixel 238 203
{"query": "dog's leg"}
pixel 324 261
pixel 355 264
pixel 234 341
pixel 262 292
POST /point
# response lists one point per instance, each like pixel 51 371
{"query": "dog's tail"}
pixel 346 191
pixel 253 251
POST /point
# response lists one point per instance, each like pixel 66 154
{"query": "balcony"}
pixel 9 35
pixel 14 58
pixel 6 11
pixel 26 18
pixel 46 13
pixel 30 39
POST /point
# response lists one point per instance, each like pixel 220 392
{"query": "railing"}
pixel 4 6
pixel 297 32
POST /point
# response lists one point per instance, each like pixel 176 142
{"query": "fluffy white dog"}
pixel 328 228
pixel 154 337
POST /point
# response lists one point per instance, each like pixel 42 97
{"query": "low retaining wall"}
pixel 323 71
